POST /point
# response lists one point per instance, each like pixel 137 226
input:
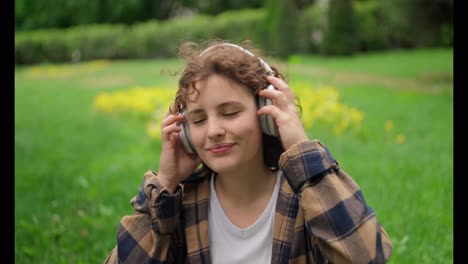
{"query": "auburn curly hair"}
pixel 237 65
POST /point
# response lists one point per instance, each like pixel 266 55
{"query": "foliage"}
pixel 44 14
pixel 280 27
pixel 340 34
pixel 369 21
pixel 418 23
pixel 150 39
pixel 214 7
pixel 312 24
pixel 365 26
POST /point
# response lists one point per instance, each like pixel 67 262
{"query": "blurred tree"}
pixel 103 11
pixel 280 28
pixel 34 14
pixel 160 10
pixel 340 33
pixel 133 11
pixel 300 4
pixel 30 14
pixel 214 7
pixel 416 23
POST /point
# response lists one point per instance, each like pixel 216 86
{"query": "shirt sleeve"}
pixel 341 226
pixel 152 234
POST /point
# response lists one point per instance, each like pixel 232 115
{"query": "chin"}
pixel 221 166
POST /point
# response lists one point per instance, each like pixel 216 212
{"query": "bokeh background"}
pixel 94 78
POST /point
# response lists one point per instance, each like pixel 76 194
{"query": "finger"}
pixel 173 137
pixel 168 131
pixel 282 118
pixel 171 119
pixel 272 110
pixel 174 108
pixel 278 82
pixel 278 97
pixel 171 128
pixel 281 85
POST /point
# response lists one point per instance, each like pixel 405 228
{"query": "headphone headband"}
pixel 265 65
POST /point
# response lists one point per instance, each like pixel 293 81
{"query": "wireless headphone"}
pixel 266 121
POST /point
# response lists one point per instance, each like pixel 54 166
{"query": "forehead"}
pixel 217 89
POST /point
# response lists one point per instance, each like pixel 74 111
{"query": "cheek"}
pixel 197 135
pixel 247 127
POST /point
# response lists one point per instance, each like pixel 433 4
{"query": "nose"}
pixel 215 129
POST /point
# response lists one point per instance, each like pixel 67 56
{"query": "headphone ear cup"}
pixel 185 137
pixel 266 121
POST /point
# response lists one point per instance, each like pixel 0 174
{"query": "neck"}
pixel 246 185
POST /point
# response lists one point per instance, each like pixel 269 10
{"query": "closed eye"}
pixel 231 113
pixel 198 121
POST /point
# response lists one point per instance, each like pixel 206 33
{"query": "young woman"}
pixel 239 181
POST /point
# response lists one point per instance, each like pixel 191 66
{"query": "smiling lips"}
pixel 220 148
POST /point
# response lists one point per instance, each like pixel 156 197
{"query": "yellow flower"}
pixel 320 105
pixel 356 116
pixel 400 138
pixel 388 126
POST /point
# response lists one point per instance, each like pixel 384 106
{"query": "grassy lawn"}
pixel 77 169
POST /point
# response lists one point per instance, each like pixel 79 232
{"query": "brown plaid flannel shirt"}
pixel 321 217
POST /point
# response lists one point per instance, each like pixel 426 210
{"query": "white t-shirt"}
pixel 230 244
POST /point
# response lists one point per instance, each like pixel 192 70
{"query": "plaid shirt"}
pixel 321 217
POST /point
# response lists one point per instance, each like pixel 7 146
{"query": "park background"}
pixel 93 78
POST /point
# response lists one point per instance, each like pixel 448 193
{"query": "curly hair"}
pixel 203 61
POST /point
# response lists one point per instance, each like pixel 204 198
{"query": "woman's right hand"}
pixel 174 163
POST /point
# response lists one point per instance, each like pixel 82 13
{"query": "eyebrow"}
pixel 220 106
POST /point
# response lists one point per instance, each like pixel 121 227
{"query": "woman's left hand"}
pixel 284 112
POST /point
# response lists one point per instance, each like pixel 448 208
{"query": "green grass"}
pixel 76 170
pixel 411 63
